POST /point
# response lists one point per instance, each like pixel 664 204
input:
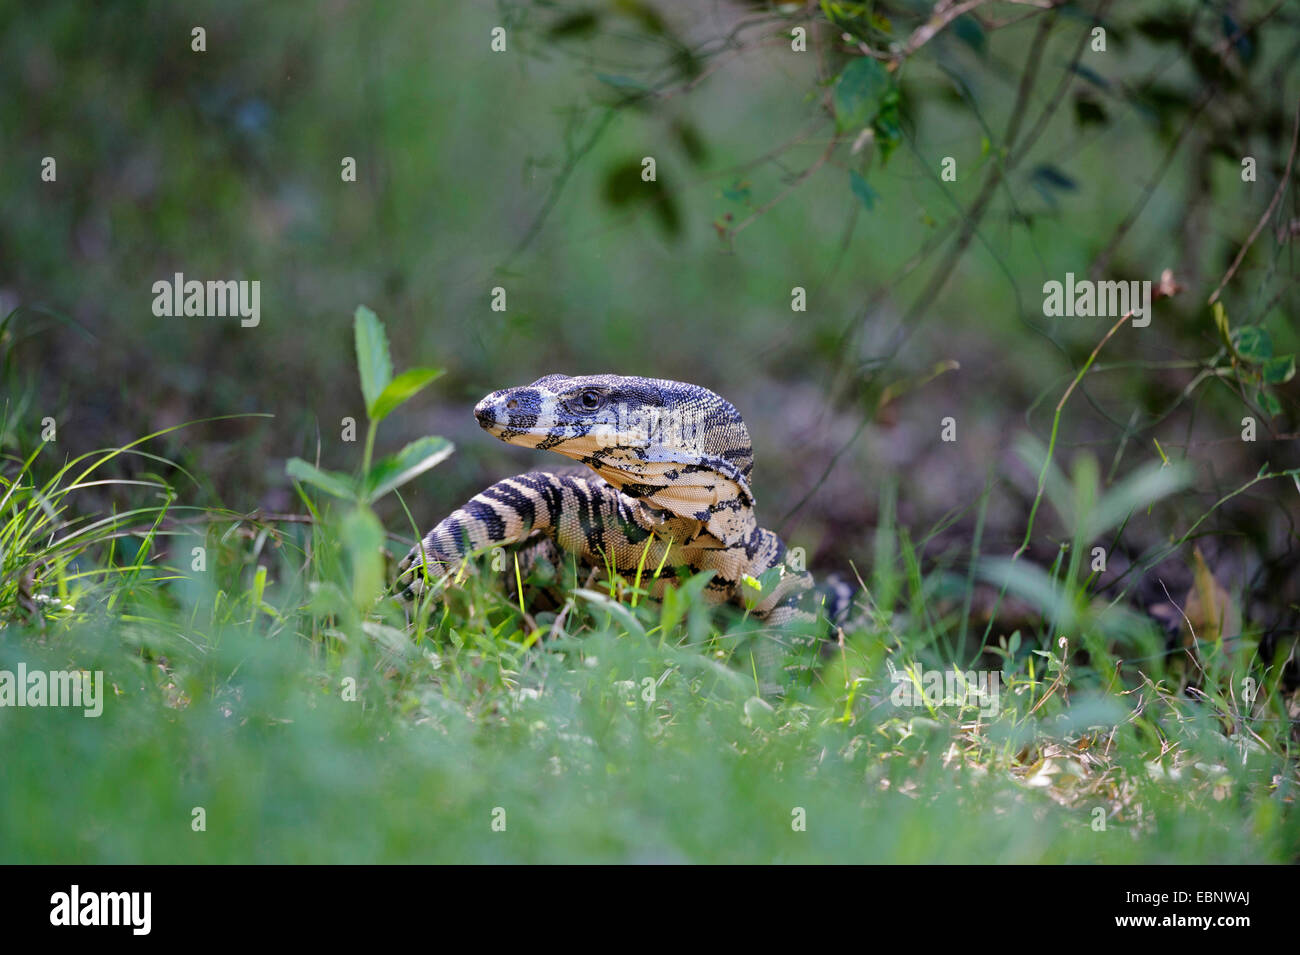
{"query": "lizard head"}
pixel 675 446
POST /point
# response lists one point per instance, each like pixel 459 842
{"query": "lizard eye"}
pixel 590 400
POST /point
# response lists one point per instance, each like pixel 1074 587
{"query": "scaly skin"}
pixel 665 457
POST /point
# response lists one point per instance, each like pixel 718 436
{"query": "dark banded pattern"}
pixel 666 458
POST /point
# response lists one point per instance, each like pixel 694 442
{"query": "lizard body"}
pixel 668 486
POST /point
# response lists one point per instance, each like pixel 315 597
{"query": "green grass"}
pixel 606 731
pixel 268 701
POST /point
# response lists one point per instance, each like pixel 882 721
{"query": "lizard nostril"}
pixel 512 404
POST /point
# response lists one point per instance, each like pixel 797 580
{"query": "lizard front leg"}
pixel 785 599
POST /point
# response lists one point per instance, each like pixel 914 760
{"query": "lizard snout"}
pixel 513 409
pixel 485 412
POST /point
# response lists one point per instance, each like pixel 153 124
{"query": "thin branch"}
pixel 1127 223
pixel 561 179
pixel 1259 226
pixel 945 11
pixel 1056 424
pixel 798 180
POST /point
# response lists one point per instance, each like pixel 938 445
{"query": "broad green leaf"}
pixel 755 587
pixel 1089 112
pixel 616 609
pixel 1084 480
pixel 1056 486
pixel 968 30
pixel 887 126
pixel 677 600
pixel 1279 370
pixel 373 361
pixel 759 712
pixel 1089 712
pixel 1145 486
pixel 862 189
pixel 407 464
pixel 671 610
pixel 580 23
pixel 326 599
pixel 390 638
pixel 1254 343
pixel 340 485
pixel 858 94
pixel 1046 177
pixel 624 188
pixel 1034 585
pixel 691 663
pixel 399 389
pixel 1269 402
pixel 259 587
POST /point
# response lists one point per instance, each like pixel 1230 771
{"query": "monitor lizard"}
pixel 667 487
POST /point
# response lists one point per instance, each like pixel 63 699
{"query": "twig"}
pixel 945 11
pixel 1056 423
pixel 1259 226
pixel 1103 260
pixel 798 180
pixel 561 180
pixel 946 269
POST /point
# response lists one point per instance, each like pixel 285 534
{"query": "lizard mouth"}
pixel 511 416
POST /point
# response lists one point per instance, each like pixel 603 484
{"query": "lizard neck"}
pixel 689 532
